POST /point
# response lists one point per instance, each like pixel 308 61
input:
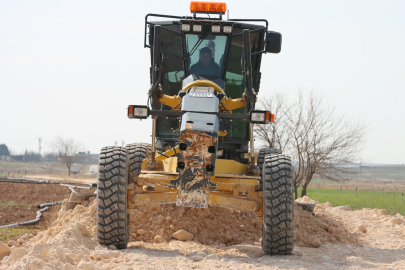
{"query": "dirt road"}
pixel 70 244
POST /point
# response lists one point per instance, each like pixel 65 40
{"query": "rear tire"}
pixel 112 219
pixel 278 206
pixel 263 153
pixel 137 152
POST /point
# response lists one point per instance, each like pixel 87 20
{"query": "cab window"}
pixel 205 54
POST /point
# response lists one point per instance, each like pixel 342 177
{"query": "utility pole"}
pixel 39 145
pixel 360 168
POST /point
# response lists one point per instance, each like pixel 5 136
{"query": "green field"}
pixel 393 202
pixel 7 234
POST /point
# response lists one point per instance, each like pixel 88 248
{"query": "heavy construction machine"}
pixel 205 79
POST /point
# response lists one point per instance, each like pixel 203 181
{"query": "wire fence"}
pixel 372 188
pixel 356 191
pixel 13 174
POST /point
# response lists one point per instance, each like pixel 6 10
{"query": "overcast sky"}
pixel 71 68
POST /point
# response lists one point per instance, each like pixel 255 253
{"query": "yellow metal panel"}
pixel 171 101
pixel 168 153
pixel 165 164
pixel 170 164
pixel 237 176
pixel 226 166
pixel 235 180
pixel 156 178
pixel 233 104
pixel 145 166
pixel 151 174
pixel 230 187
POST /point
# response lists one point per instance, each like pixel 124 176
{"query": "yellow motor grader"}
pixel 205 78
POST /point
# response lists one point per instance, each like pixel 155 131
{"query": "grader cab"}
pixel 205 79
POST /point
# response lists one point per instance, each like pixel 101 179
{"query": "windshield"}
pixel 206 54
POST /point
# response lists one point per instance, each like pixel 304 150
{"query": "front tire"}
pixel 112 219
pixel 278 206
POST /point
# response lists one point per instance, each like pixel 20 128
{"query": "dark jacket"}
pixel 199 69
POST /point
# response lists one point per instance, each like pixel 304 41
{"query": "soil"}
pixel 19 202
pixel 217 225
pixel 208 225
pixel 331 238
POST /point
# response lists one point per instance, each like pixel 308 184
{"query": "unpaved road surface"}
pixel 70 243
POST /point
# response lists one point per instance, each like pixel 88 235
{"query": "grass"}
pixel 390 201
pixel 7 234
pixel 8 204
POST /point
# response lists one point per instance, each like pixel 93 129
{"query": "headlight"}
pixel 141 112
pixel 185 27
pixel 216 28
pixel 257 117
pixel 135 111
pixel 227 29
pixel 197 27
pixel 261 117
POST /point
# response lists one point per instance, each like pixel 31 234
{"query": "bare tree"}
pixel 276 134
pixel 67 150
pixel 319 139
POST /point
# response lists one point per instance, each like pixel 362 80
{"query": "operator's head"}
pixel 205 56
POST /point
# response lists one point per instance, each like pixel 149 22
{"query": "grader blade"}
pixel 198 143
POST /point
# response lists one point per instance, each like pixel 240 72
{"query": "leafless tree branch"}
pixel 67 149
pixel 319 139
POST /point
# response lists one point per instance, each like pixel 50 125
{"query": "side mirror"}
pixel 273 42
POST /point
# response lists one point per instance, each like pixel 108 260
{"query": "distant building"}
pixel 87 158
pixel 75 169
pixel 26 158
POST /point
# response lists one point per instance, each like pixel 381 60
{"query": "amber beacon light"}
pixel 207 7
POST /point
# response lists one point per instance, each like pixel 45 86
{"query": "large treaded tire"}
pixel 112 219
pixel 137 152
pixel 278 206
pixel 263 153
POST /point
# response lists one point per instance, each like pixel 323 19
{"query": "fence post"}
pixel 356 193
pixel 340 190
pixel 318 188
pixel 402 202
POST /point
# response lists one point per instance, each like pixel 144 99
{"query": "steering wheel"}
pixel 204 83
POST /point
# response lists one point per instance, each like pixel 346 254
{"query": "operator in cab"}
pixel 206 65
